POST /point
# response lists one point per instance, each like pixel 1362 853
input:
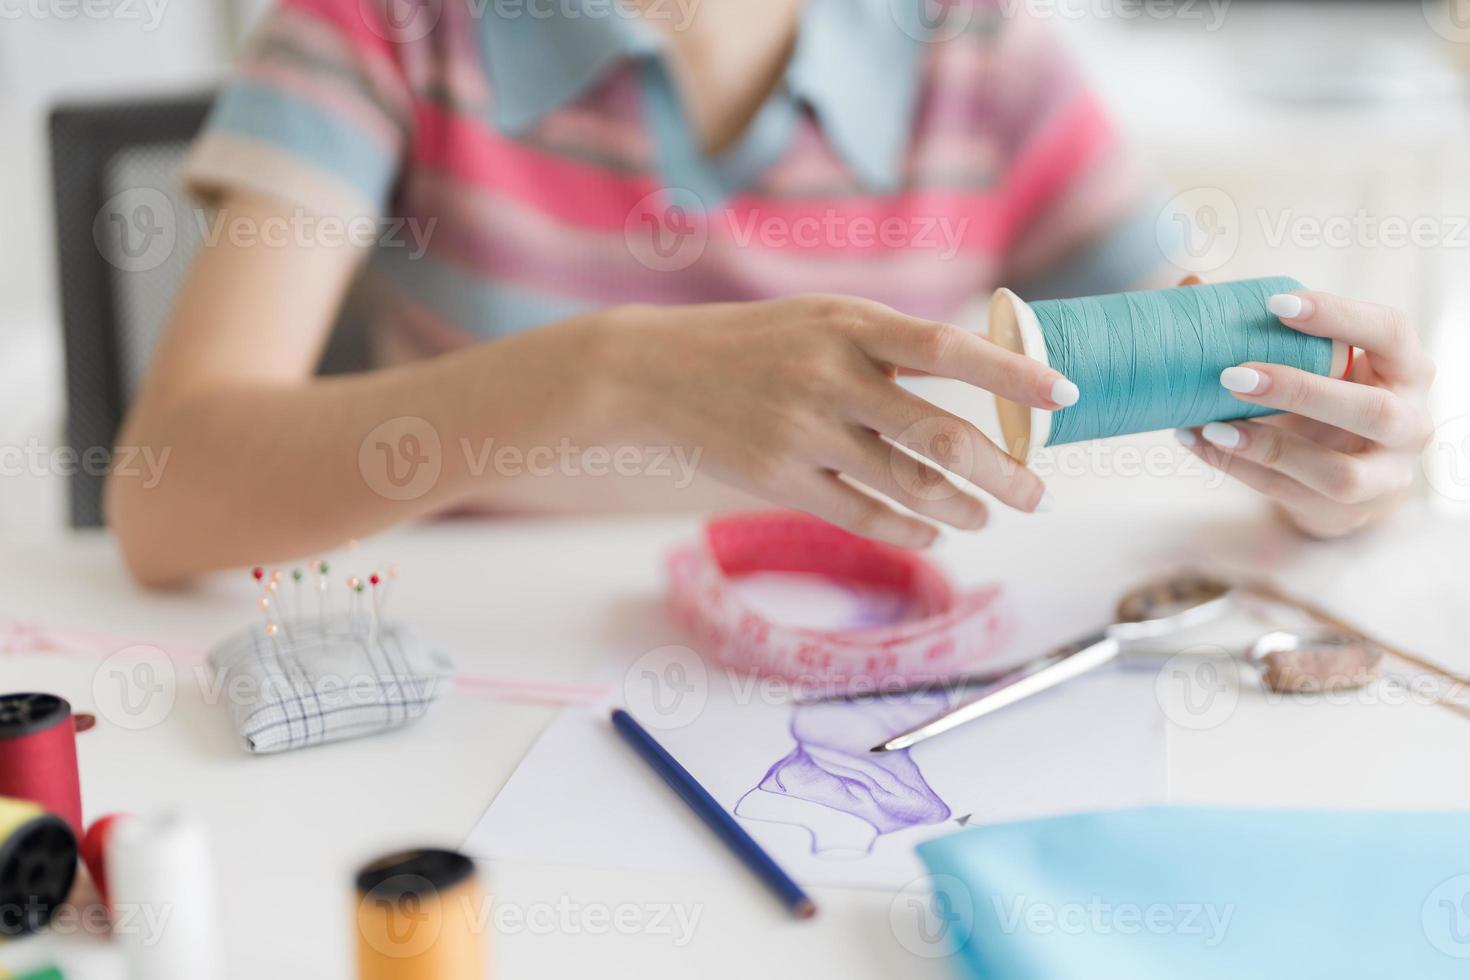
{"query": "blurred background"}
pixel 1327 140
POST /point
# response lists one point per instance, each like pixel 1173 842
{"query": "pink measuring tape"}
pixel 947 631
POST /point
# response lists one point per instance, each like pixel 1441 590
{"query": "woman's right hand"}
pixel 796 400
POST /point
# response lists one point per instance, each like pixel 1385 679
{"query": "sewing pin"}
pixel 354 589
pixel 271 629
pixel 322 569
pixel 362 601
pixel 264 600
pixel 273 591
pixel 388 586
pixel 375 580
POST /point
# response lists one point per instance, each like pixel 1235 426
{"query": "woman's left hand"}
pixel 1346 452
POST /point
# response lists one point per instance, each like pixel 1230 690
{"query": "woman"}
pixel 709 230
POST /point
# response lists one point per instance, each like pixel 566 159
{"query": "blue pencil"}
pixel 714 815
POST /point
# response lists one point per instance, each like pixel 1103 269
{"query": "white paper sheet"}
pixel 581 796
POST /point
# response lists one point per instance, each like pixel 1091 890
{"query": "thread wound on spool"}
pixel 164 863
pixel 38 754
pixel 417 918
pixel 94 851
pixel 38 863
pixel 1152 360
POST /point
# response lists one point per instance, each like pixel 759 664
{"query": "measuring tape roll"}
pixel 947 631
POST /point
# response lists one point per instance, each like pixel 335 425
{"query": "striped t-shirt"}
pixel 520 161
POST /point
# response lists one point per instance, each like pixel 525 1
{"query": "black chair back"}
pixel 126 233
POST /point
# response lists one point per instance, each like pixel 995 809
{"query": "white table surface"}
pixel 547 598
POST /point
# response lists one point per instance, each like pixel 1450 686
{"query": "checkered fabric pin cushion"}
pixel 311 683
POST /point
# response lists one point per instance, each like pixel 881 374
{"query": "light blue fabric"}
pixel 468 300
pixel 681 160
pixel 1191 893
pixel 320 138
pixel 856 64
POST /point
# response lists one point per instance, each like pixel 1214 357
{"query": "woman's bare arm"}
pixel 266 462
pixel 793 400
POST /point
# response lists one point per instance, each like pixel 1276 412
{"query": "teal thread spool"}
pixel 1149 360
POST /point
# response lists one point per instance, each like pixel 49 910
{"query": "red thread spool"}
pixel 94 851
pixel 38 754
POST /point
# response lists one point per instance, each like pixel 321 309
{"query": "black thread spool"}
pixel 38 864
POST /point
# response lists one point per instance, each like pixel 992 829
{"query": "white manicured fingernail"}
pixel 1285 305
pixel 1225 436
pixel 1046 503
pixel 1240 379
pixel 1186 437
pixel 1064 393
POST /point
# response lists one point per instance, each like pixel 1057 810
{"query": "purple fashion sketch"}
pixel 845 796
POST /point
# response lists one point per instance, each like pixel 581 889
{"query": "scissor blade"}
pixel 1073 660
pixel 943 685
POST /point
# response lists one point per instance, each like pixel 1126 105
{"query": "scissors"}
pixel 1340 655
pixel 1151 611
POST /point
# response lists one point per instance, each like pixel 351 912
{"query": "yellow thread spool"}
pixel 418 918
pixel 38 863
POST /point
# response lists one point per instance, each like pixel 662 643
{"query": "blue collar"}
pixel 854 65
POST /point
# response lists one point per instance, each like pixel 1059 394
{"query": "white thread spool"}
pixel 160 875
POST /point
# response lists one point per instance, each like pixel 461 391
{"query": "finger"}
pixel 956 445
pixel 1319 432
pixel 1312 513
pixel 1383 331
pixel 1367 410
pixel 836 501
pixel 947 351
pixel 1337 476
pixel 918 485
pixel 1273 484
